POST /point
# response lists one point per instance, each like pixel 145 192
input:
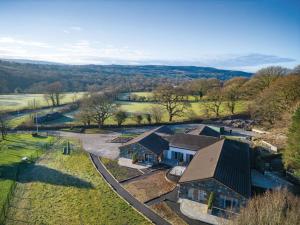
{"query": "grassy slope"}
pixel 67 190
pixel 20 101
pixel 12 151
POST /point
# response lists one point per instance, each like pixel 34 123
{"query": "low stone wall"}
pixel 210 185
pixel 128 151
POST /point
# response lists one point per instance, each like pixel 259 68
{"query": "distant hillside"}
pixel 32 76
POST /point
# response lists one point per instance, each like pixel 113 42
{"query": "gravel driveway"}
pixel 98 144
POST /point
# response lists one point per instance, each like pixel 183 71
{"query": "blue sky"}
pixel 231 34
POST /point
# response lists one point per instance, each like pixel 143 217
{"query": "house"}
pixel 148 147
pixel 222 168
pixel 183 147
pixel 205 130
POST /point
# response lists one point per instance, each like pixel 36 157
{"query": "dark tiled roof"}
pixel 227 161
pixel 155 143
pixel 191 142
pixel 205 130
pixel 151 140
pixel 164 130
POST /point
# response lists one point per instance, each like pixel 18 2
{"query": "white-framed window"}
pixel 191 193
pixel 229 203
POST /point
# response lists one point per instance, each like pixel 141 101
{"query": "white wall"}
pixel 181 150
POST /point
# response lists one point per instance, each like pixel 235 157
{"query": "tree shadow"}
pixel 29 172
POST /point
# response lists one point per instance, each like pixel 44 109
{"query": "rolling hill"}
pixel 32 76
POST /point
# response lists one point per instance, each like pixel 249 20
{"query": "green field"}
pixel 148 95
pixel 60 190
pixel 196 110
pixel 21 101
pixel 12 150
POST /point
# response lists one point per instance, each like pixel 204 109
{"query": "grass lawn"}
pixel 66 189
pixel 119 172
pixel 150 187
pixel 14 102
pixel 12 150
pixel 167 213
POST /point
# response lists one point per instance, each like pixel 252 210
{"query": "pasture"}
pixel 13 102
pixel 59 190
pixel 12 150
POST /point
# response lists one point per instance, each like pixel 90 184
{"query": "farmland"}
pixel 196 109
pixel 79 194
pixel 12 150
pixel 13 102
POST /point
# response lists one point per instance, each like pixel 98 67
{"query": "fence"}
pixel 8 197
pixel 5 205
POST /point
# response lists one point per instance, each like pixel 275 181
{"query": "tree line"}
pixel 271 92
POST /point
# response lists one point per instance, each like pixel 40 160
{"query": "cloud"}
pixel 72 29
pixel 13 41
pixel 254 59
pixel 87 52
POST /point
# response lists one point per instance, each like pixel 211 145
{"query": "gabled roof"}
pixel 164 130
pixel 151 140
pixel 227 161
pixel 205 130
pixel 191 142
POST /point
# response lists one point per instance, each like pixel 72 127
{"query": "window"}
pixel 197 195
pixel 148 157
pixel 189 157
pixel 130 153
pixel 202 195
pixel 229 203
pixel 190 193
pixel 177 155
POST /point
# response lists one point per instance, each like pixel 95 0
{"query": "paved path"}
pixel 128 197
pixel 98 144
pixel 176 208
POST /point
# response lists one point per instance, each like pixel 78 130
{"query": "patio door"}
pixel 148 158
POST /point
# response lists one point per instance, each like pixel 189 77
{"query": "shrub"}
pixel 277 207
pixel 211 200
pixel 134 158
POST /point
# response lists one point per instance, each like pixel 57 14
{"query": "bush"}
pixel 134 158
pixel 211 200
pixel 277 207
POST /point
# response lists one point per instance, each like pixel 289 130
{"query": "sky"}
pixel 230 34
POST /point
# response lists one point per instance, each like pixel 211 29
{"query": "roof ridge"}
pixel 220 155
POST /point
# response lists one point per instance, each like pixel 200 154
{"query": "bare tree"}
pixel 277 207
pixel 268 75
pixel 54 93
pixel 120 116
pixel 102 107
pixel 171 100
pixel 156 112
pixel 282 96
pixel 3 125
pixel 84 116
pixel 138 118
pixel 232 92
pixel 216 98
pixel 149 117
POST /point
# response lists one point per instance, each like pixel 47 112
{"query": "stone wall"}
pixel 211 185
pixel 128 150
